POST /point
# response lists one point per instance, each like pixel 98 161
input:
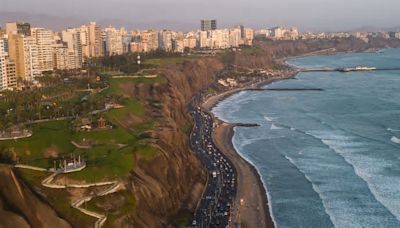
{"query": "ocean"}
pixel 328 158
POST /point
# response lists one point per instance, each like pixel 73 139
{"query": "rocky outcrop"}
pixel 20 207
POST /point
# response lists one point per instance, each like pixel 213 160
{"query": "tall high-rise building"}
pixel 248 36
pixel 165 40
pixel 61 57
pixel 207 25
pixel 72 39
pixel 45 42
pixel 149 38
pixel 3 65
pixel 11 74
pixel 203 39
pixel 113 41
pixel 23 51
pixel 95 40
pixel 18 28
pixel 234 37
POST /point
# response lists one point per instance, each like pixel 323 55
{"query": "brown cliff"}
pixel 174 178
pixel 20 207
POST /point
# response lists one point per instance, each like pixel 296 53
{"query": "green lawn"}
pixel 168 60
pixel 105 163
pixel 105 160
pixel 51 136
pixel 252 50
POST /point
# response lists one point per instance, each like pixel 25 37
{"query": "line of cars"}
pixel 214 209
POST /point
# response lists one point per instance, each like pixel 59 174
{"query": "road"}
pixel 214 208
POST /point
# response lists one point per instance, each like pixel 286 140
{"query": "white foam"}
pixel 274 127
pixel 384 189
pixel 268 119
pixel 318 191
pixel 392 130
pixel 395 140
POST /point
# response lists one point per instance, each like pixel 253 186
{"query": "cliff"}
pixel 20 207
pixel 174 179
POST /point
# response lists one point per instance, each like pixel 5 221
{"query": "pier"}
pixel 285 89
pixel 346 70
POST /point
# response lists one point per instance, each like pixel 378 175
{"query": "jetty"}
pixel 285 89
pixel 350 69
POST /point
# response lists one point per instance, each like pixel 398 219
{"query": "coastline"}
pixel 251 206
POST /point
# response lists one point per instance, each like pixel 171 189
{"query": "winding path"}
pixel 47 182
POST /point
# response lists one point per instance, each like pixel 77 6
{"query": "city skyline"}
pixel 308 15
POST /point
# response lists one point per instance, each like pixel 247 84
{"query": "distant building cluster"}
pixel 279 33
pixel 292 33
pixel 27 52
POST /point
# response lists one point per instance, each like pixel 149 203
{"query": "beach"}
pixel 250 207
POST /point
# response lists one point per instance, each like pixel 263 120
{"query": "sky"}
pixel 310 15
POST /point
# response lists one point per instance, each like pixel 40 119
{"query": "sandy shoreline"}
pixel 251 207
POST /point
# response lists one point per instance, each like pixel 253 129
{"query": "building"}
pixel 165 40
pixel 138 47
pixel 3 65
pixel 72 39
pixel 281 33
pixel 219 39
pixel 235 37
pixel 127 39
pixel 61 57
pixel 11 74
pixel 206 25
pixel 113 41
pixel 204 42
pixel 190 41
pixel 23 51
pixel 18 28
pixel 248 36
pixel 45 42
pixel 95 40
pixel 149 38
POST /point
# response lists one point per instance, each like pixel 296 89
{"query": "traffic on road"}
pixel 214 208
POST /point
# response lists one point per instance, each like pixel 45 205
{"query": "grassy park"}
pixel 112 151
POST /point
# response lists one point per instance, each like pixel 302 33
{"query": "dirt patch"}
pixel 127 89
pixel 130 120
pixel 51 152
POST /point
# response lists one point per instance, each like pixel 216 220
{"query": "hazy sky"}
pixel 307 14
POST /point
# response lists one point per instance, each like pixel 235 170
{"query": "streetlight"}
pixel 138 61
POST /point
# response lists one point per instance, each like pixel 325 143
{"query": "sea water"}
pixel 328 158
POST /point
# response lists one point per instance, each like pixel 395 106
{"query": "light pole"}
pixel 138 61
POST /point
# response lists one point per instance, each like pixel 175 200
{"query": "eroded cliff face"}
pixel 20 207
pixel 174 178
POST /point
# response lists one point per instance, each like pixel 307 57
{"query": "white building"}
pixel 114 43
pixel 281 33
pixel 165 40
pixel 72 38
pixel 3 64
pixel 235 37
pixel 45 42
pixel 31 58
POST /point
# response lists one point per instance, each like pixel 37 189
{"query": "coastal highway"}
pixel 214 208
